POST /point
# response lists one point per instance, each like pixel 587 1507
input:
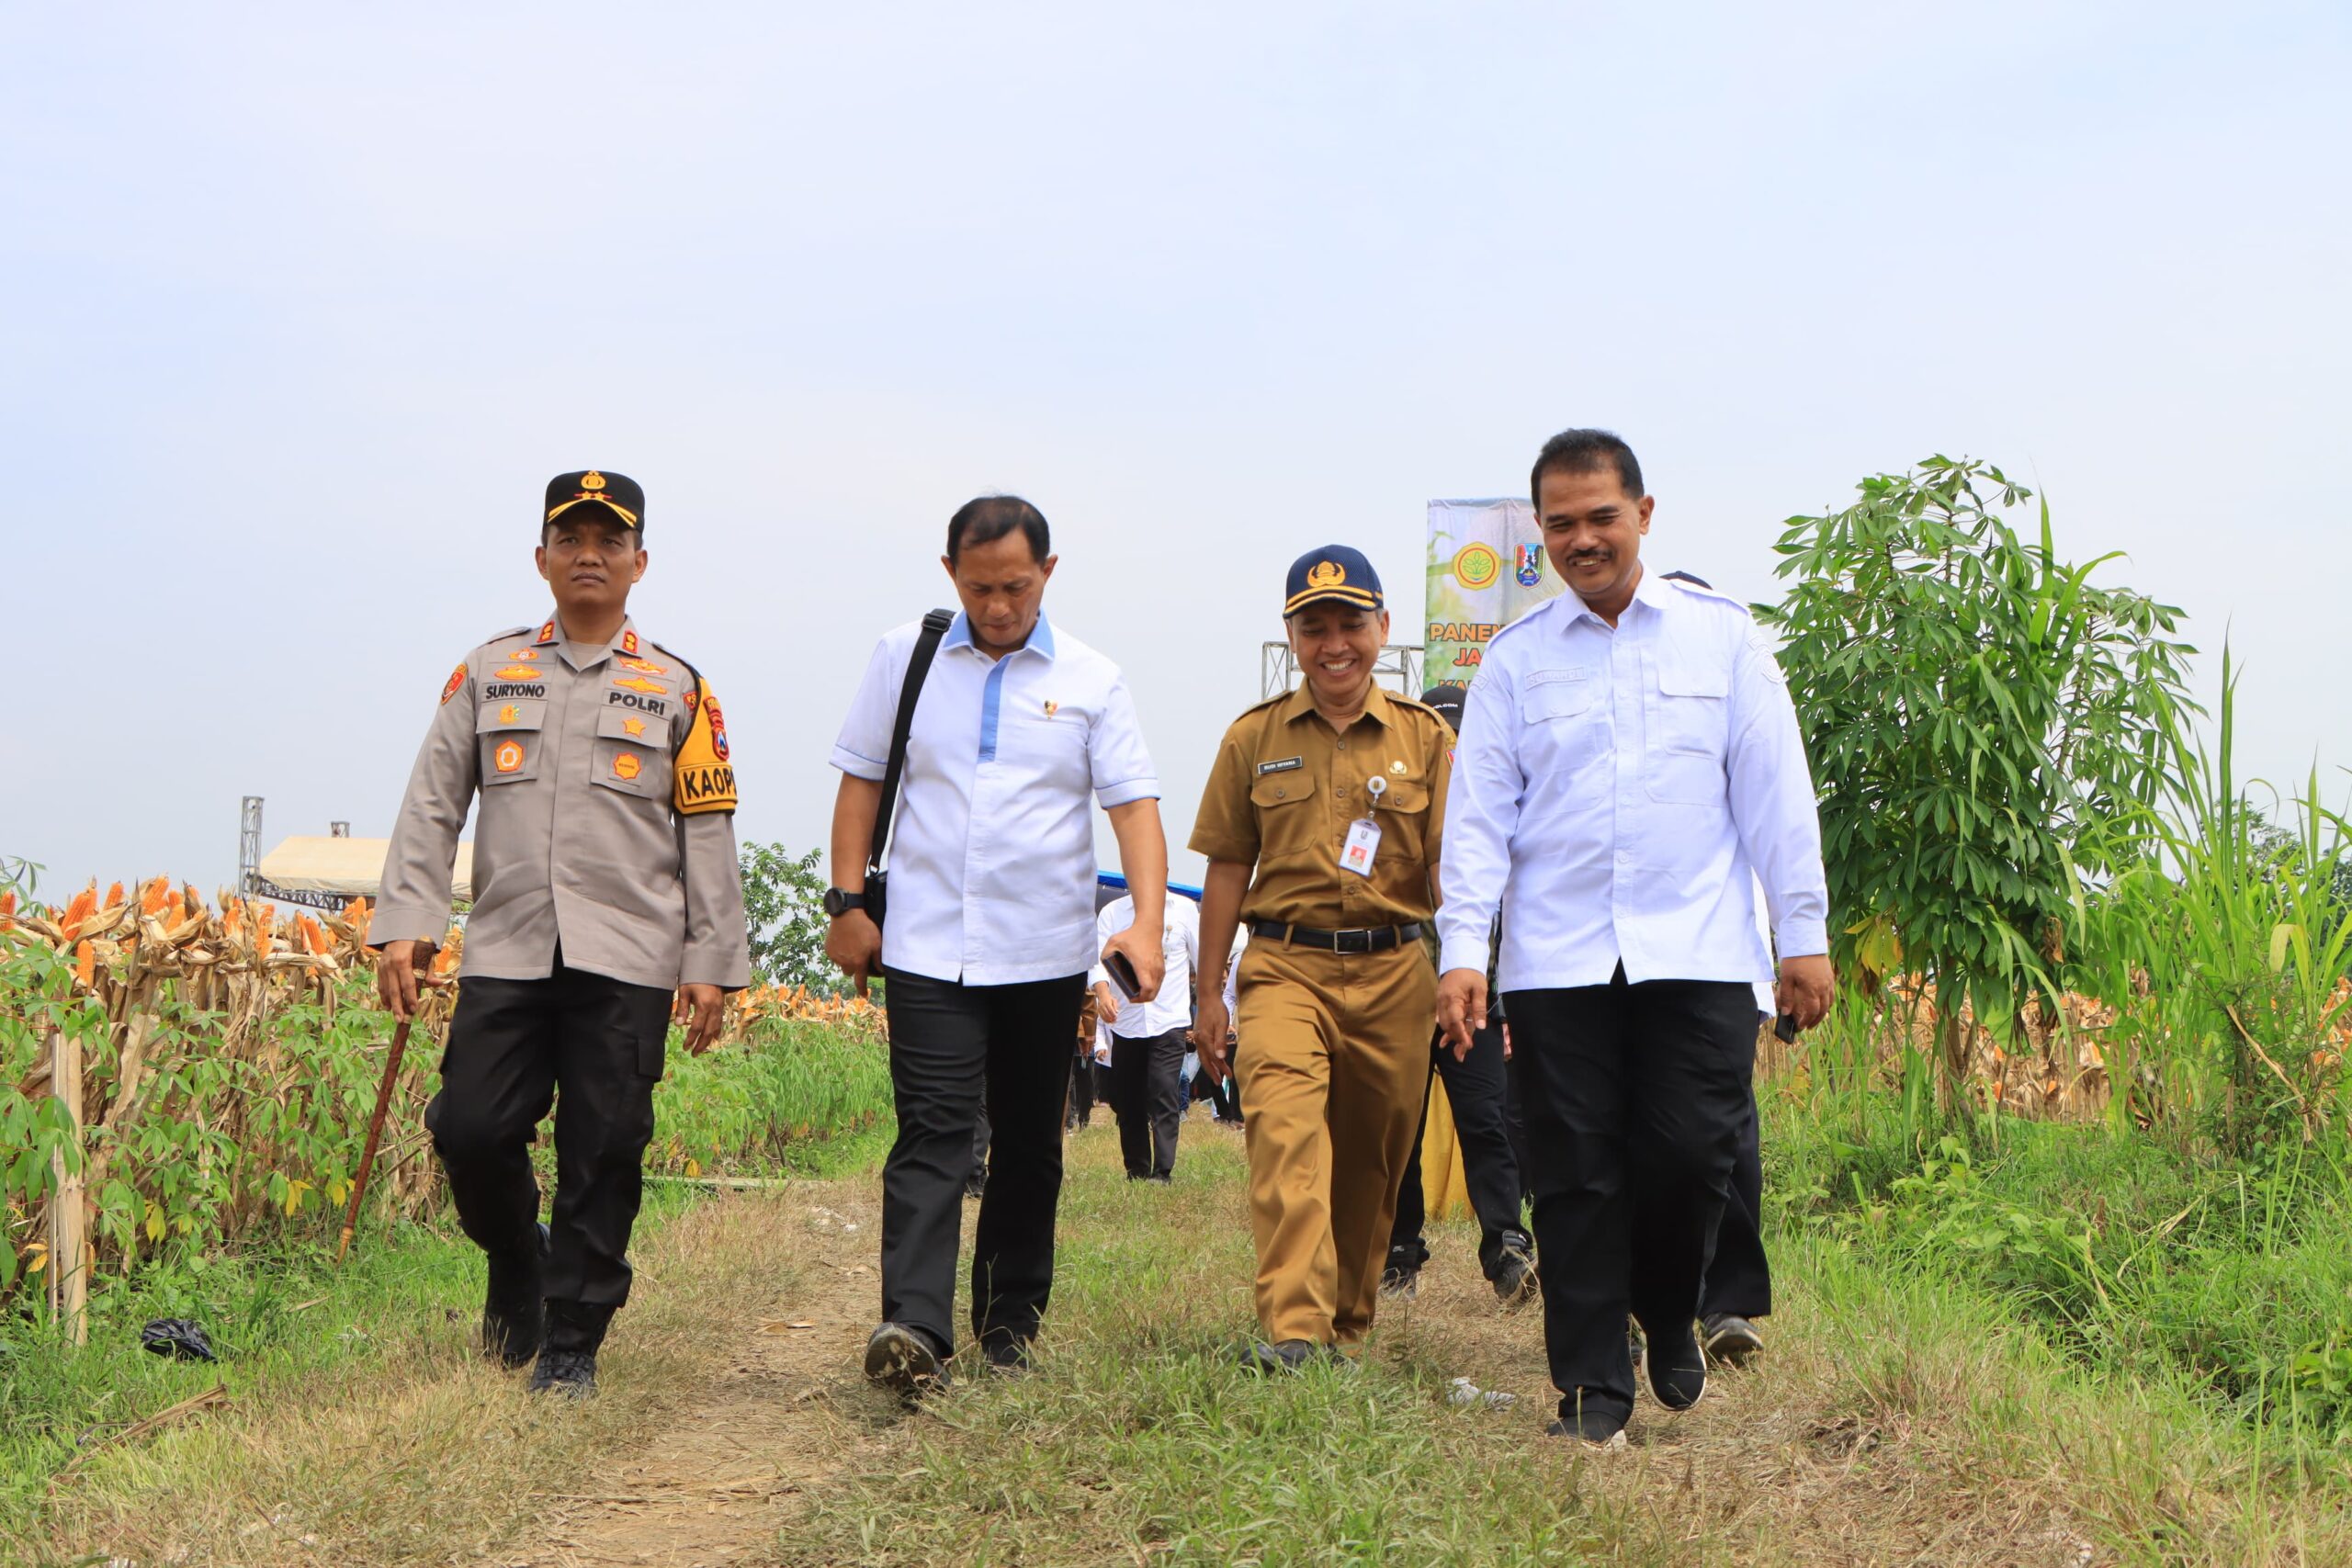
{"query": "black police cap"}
pixel 618 494
pixel 1447 697
pixel 1334 572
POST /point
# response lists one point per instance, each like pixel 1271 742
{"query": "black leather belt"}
pixel 1370 939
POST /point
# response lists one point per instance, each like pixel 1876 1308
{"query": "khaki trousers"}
pixel 1333 1059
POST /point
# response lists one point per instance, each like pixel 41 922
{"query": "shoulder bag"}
pixel 877 879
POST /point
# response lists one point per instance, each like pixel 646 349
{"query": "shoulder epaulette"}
pixel 681 657
pixel 502 636
pixel 1536 614
pixel 1698 591
pixel 1259 706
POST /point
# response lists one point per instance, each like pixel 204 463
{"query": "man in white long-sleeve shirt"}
pixel 1629 764
pixel 1147 1039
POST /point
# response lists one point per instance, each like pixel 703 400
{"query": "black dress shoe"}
pixel 1006 1354
pixel 903 1360
pixel 1514 1281
pixel 1677 1370
pixel 1283 1355
pixel 513 1320
pixel 570 1373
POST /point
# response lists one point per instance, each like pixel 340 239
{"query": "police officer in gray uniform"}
pixel 605 883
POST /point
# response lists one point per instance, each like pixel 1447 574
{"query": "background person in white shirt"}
pixel 1147 1039
pixel 1629 763
pixel 990 930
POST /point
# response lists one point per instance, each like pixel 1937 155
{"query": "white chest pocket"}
pixel 1688 711
pixel 1565 723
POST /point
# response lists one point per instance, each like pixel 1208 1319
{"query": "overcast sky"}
pixel 303 304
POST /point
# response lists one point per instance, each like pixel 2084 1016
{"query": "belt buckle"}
pixel 1359 941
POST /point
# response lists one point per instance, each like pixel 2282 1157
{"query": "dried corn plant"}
pixel 230 1060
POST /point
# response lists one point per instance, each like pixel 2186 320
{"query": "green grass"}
pixel 277 1317
pixel 1910 1409
pixel 773 1104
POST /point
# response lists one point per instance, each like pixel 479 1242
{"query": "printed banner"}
pixel 1486 569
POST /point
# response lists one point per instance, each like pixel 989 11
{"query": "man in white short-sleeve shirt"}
pixel 1019 730
pixel 1147 1040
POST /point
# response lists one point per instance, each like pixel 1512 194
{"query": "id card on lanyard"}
pixel 1363 845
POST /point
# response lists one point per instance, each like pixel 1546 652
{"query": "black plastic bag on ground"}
pixel 178 1338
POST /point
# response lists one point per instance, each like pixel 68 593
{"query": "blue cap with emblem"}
pixel 1334 572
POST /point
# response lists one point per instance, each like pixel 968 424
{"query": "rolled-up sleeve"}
pixel 1121 762
pixel 1772 802
pixel 1481 814
pixel 863 748
pixel 413 902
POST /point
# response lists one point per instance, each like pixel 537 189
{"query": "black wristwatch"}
pixel 838 902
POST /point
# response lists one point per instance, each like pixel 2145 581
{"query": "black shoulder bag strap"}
pixel 934 627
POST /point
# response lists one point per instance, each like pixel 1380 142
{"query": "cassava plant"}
pixel 1971 704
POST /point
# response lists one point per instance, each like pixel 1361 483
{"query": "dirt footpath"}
pixel 718 1485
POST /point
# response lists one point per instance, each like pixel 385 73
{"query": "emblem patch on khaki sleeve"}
pixel 508 758
pixel 456 684
pixel 702 778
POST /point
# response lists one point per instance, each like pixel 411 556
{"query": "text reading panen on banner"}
pixel 1486 569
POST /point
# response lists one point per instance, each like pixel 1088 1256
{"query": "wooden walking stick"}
pixel 375 1132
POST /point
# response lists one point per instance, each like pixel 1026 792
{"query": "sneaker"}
pixel 1283 1356
pixel 903 1360
pixel 1679 1373
pixel 570 1373
pixel 513 1320
pixel 1596 1424
pixel 1731 1338
pixel 1515 1284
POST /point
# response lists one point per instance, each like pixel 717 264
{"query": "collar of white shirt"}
pixel 1041 636
pixel 1650 589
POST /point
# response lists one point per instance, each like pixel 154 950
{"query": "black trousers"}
pixel 1739 1279
pixel 1148 1097
pixel 1081 1090
pixel 951 1046
pixel 1634 1098
pixel 1477 1090
pixel 592 1045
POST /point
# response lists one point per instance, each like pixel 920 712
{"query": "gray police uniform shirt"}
pixel 606 824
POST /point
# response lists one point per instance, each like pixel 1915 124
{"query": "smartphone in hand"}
pixel 1122 973
pixel 1785 1029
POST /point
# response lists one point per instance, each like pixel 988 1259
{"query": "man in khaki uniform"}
pixel 1334 796
pixel 604 880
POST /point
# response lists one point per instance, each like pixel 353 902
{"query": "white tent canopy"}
pixel 353 867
